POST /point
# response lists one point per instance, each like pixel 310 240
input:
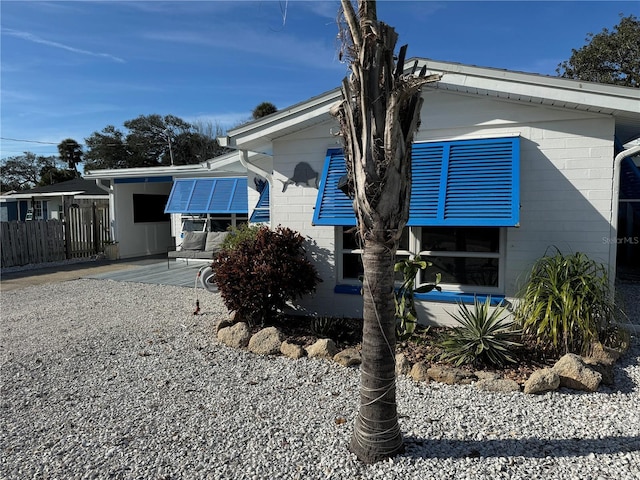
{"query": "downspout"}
pixel 244 161
pixel 613 221
pixel 112 208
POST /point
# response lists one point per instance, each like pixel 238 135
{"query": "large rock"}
pixel 348 357
pixel 603 355
pixel 236 336
pixel 450 375
pixel 541 381
pixel 604 369
pixel 403 365
pixel 323 348
pixel 419 372
pixel 291 350
pixel 266 342
pixel 501 385
pixel 575 374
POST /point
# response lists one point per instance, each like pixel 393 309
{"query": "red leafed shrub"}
pixel 258 276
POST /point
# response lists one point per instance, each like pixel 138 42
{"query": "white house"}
pixel 506 165
pixel 139 214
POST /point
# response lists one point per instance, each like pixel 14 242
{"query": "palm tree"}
pixel 378 115
pixel 70 153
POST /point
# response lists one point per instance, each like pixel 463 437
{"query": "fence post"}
pixel 94 226
pixel 67 228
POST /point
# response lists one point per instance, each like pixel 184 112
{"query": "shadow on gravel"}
pixel 527 447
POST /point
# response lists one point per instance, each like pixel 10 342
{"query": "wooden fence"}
pixel 83 234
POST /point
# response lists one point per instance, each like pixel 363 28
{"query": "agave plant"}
pixel 566 304
pixel 483 336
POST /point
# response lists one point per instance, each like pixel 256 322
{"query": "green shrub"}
pixel 239 234
pixel 566 304
pixel 258 276
pixel 482 337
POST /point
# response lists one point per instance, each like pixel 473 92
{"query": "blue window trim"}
pixel 460 183
pixel 143 180
pixel 225 195
pixel 433 296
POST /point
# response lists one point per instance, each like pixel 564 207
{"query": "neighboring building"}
pixel 506 166
pixel 145 223
pixel 48 202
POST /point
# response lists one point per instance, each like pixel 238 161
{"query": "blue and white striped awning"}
pixel 208 195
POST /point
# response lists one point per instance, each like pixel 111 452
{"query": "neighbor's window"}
pixel 149 208
pixel 464 256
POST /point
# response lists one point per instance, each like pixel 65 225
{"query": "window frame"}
pixel 415 243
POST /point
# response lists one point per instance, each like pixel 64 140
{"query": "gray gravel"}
pixel 102 379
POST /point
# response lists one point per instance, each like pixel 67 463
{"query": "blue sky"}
pixel 69 69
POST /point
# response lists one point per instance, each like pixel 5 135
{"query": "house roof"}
pixel 226 164
pixel 76 187
pixel 620 102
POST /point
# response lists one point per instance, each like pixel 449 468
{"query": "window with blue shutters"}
pixel 208 195
pixel 261 213
pixel 455 184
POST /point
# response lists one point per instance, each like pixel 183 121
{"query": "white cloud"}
pixel 35 39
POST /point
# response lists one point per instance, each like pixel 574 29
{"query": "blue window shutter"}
pixel 208 195
pixel 456 184
pixel 333 207
pixel 261 214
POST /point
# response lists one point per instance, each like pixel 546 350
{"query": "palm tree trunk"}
pixel 377 434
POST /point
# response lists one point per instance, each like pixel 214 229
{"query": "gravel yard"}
pixel 104 379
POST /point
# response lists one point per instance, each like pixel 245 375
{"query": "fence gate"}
pixel 86 230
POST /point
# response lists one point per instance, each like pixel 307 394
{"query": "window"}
pixel 38 210
pixel 149 208
pixel 469 259
pixel 465 257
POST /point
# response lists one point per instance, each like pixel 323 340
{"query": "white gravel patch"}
pixel 102 379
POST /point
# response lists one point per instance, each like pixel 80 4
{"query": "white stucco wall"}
pixel 139 239
pixel 565 190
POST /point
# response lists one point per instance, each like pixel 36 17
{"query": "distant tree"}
pixel 70 153
pixel 264 109
pixel 152 140
pixel 106 149
pixel 24 171
pixel 51 174
pixel 609 57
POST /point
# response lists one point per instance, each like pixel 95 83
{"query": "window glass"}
pixel 460 239
pixel 463 271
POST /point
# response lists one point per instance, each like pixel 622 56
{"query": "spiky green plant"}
pixel 483 336
pixel 567 303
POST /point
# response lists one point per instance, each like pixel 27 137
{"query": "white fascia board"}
pixel 276 123
pixel 49 194
pixel 517 85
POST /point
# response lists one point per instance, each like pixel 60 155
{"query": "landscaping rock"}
pixel 603 355
pixel 575 374
pixel 291 350
pixel 501 385
pixel 348 357
pixel 403 366
pixel 604 369
pixel 323 348
pixel 266 342
pixel 236 336
pixel 223 323
pixel 541 381
pixel 484 375
pixel 419 372
pixel 450 375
